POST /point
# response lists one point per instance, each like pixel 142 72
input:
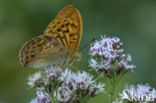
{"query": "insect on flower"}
pixel 58 44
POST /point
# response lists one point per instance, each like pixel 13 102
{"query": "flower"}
pixel 65 95
pixel 110 58
pixel 78 84
pixel 53 72
pixel 41 98
pixel 97 89
pixel 35 80
pixel 141 93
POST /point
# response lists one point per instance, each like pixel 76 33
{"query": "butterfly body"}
pixel 59 43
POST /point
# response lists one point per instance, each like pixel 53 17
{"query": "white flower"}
pixel 67 77
pixel 41 98
pixel 35 80
pixel 127 63
pixel 53 72
pixel 76 81
pixel 97 89
pixel 65 95
pixel 141 93
pixel 65 74
pixel 81 83
pixel 93 63
pixel 83 80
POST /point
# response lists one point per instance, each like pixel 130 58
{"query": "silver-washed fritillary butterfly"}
pixel 58 44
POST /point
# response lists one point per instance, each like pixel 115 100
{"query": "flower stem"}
pixel 84 101
pixel 112 88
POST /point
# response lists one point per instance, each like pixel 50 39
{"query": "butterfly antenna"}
pixel 86 46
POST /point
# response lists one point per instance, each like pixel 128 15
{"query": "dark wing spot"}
pixel 39 45
pixel 62 26
pixel 73 25
pixel 47 38
pixel 66 31
pixel 73 38
pixel 32 56
pixel 71 35
pixel 67 24
pixel 58 29
pixel 27 57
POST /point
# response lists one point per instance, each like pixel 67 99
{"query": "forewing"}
pixel 67 27
pixel 39 48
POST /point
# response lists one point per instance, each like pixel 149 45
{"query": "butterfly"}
pixel 59 43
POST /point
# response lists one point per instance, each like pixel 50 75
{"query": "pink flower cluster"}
pixel 107 56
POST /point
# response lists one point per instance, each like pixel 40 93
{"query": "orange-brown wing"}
pixel 67 27
pixel 39 48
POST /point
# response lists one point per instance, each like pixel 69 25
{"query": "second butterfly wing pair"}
pixel 59 43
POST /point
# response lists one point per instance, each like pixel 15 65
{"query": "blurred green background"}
pixel 134 21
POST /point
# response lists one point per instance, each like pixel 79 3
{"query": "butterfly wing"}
pixel 67 27
pixel 41 51
pixel 61 38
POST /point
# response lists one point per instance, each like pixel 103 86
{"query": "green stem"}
pixel 52 97
pixel 83 100
pixel 112 88
pixel 54 88
pixel 46 95
pixel 109 92
pixel 56 93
